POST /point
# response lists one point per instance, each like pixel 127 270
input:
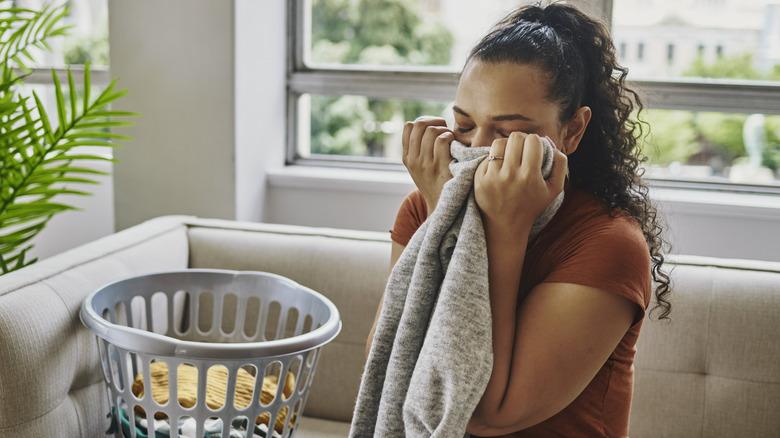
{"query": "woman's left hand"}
pixel 512 191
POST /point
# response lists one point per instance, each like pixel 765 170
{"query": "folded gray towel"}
pixel 431 356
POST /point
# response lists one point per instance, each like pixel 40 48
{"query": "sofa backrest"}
pixel 348 267
pixel 50 378
pixel 714 369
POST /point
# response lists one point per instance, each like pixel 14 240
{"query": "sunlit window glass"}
pixel 726 39
pixel 87 38
pixel 358 126
pixel 735 148
pixel 399 32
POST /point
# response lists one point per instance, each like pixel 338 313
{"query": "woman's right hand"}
pixel 511 191
pixel 426 154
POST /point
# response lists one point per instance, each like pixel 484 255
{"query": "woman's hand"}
pixel 426 154
pixel 511 191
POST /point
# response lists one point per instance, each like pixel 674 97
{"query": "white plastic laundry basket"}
pixel 240 322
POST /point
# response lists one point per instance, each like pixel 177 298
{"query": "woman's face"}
pixel 495 99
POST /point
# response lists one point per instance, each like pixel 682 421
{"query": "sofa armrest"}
pixel 50 377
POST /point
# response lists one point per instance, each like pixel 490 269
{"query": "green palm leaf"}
pixel 43 157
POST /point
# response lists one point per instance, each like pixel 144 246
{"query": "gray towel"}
pixel 432 356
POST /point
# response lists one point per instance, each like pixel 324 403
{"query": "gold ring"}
pixel 495 157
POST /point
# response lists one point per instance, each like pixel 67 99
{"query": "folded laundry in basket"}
pixel 186 427
pixel 216 389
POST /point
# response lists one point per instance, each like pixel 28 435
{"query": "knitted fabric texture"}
pixel 431 356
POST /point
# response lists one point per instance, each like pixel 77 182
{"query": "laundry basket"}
pixel 208 352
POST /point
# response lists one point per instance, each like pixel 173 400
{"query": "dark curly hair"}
pixel 577 53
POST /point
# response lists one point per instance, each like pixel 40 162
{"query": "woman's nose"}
pixel 482 138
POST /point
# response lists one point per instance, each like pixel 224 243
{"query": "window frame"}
pixel 715 95
pixel 98 75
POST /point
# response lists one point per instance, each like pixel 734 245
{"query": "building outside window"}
pixel 361 68
pixel 705 137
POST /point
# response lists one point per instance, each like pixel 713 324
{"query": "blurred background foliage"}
pixel 711 139
pixel 396 33
pixel 376 33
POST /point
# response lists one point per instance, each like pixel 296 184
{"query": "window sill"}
pixel 340 179
pixel 673 200
pixel 718 203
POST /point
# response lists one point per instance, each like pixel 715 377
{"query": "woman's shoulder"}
pixel 599 247
pixel 587 226
pixel 414 205
pixel 411 214
pixel 591 213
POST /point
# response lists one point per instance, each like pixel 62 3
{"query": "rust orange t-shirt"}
pixel 583 244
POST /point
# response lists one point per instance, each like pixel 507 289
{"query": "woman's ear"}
pixel 575 128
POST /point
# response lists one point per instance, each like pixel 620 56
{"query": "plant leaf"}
pixel 93 134
pixel 71 144
pixel 48 134
pixel 87 88
pixel 66 157
pixel 45 191
pixel 60 103
pixel 23 213
pixel 16 238
pixel 111 113
pixel 72 88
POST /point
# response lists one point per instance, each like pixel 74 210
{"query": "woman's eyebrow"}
pixel 460 111
pixel 500 118
pixel 511 117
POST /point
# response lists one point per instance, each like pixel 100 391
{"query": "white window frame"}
pixel 98 75
pixel 716 95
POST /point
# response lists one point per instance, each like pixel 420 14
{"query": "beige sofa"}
pixel 714 371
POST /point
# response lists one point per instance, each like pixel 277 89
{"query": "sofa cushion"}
pixel 310 427
pixel 714 369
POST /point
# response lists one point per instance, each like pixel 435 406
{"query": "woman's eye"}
pixel 503 134
pixel 464 130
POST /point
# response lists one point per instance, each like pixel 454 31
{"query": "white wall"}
pixel 209 77
pixel 93 219
pixel 177 59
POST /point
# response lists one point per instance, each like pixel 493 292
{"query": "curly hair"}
pixel 578 55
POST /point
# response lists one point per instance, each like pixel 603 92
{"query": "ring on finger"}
pixel 495 157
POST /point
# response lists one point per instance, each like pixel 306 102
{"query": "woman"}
pixel 567 305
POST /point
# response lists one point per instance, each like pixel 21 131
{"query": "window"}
pixel 362 68
pixel 713 112
pixel 87 41
pixel 359 69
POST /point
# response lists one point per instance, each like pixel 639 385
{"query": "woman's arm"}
pixel 562 335
pixel 547 349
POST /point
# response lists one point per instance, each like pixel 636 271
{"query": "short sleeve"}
pixel 411 214
pixel 614 258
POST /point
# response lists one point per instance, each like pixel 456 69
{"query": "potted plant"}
pixel 42 155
